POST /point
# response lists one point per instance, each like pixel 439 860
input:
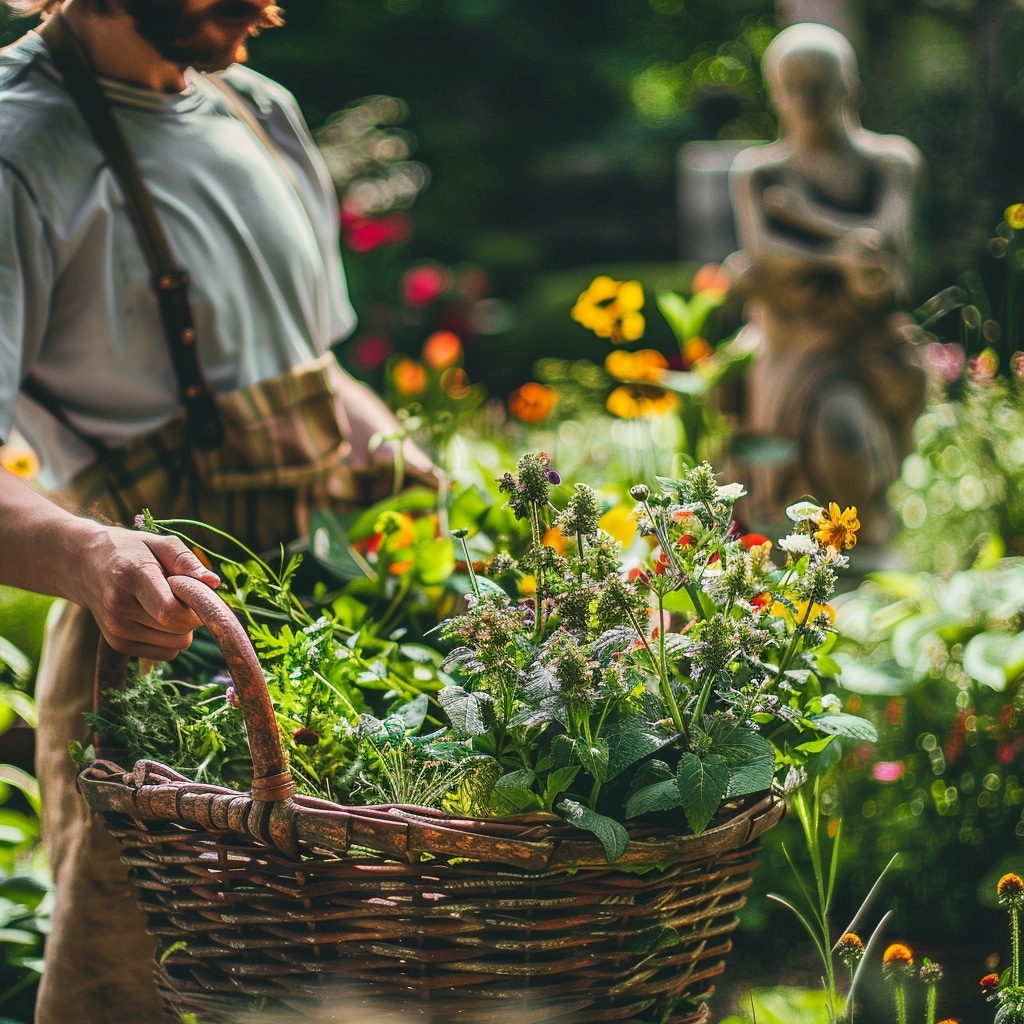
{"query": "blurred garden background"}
pixel 494 157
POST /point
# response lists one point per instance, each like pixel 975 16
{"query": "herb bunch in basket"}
pixel 606 693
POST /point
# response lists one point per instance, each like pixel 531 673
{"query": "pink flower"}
pixel 423 284
pixel 887 771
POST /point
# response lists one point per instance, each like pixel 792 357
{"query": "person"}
pixel 824 219
pixel 249 210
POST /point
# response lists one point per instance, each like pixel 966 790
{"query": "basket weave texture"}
pixel 275 899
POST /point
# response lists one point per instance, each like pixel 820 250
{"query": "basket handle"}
pixel 271 779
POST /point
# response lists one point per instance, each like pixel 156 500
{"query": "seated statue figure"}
pixel 824 220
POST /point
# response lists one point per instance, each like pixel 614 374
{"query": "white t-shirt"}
pixel 76 306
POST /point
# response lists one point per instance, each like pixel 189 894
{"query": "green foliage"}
pixel 682 683
pixel 935 664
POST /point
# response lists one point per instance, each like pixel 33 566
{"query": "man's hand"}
pixel 123 582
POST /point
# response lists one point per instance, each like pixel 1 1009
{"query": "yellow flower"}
pixel 837 529
pixel 619 522
pixel 631 401
pixel 696 350
pixel 611 309
pixel 532 402
pixel 19 461
pixel 554 539
pixel 801 613
pixel 1014 216
pixel 643 366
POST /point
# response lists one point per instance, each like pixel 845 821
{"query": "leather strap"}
pixel 169 281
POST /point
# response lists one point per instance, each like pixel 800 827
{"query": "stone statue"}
pixel 824 220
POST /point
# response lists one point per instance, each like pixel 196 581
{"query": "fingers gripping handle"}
pixel 271 779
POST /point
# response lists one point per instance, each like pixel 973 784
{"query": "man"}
pixel 824 217
pixel 250 213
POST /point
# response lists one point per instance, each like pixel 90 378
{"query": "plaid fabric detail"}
pixel 283 456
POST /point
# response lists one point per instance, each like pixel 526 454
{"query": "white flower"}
pixel 798 544
pixel 830 702
pixel 833 557
pixel 730 492
pixel 805 509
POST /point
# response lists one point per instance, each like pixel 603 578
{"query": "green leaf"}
pixel 995 659
pixel 435 561
pixel 673 307
pixel 558 782
pixel 872 680
pixel 413 713
pixel 516 790
pixel 463 710
pixel 19 663
pixel 467 509
pixel 703 785
pixel 629 740
pixel 594 758
pixel 751 760
pixel 23 890
pixel 661 796
pixel 909 635
pixel 330 547
pixel 842 724
pixel 613 836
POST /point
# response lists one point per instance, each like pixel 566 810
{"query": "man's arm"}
pixel 118 574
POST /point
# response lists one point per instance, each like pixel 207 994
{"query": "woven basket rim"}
pixel 152 793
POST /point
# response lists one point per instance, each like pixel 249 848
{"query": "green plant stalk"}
pixel 899 991
pixel 664 684
pixel 931 1003
pixel 791 646
pixel 1015 945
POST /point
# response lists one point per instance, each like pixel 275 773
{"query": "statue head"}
pixel 811 73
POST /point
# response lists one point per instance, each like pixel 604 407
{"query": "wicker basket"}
pixel 279 900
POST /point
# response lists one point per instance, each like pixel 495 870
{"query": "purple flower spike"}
pixel 231 697
pixel 553 477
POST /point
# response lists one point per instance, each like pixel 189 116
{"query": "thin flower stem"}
pixel 900 995
pixel 664 684
pixel 1015 940
pixel 931 1004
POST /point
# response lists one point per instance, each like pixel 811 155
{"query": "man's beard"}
pixel 178 36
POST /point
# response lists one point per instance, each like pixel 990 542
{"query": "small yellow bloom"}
pixel 801 614
pixel 631 401
pixel 619 522
pixel 837 529
pixel 611 309
pixel 1014 216
pixel 645 366
pixel 19 461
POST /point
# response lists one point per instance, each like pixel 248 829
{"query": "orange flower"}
pixel 898 955
pixel 441 350
pixel 409 376
pixel 532 402
pixel 696 350
pixel 710 278
pixel 646 365
pixel 554 538
pixel 1010 888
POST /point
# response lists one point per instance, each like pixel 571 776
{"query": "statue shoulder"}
pixel 895 153
pixel 767 157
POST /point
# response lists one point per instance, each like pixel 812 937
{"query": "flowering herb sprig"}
pixel 1005 990
pixel 608 691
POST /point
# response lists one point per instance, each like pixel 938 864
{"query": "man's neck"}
pixel 118 51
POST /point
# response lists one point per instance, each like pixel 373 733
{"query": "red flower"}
pixel 989 982
pixel 761 601
pixel 685 541
pixel 753 540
